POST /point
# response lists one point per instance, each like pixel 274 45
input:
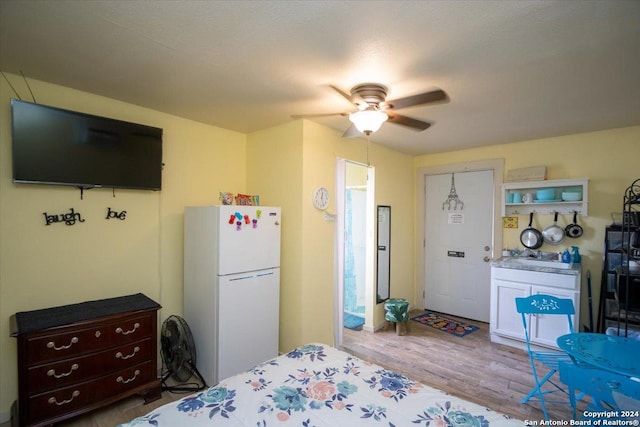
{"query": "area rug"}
pixel 352 321
pixel 438 321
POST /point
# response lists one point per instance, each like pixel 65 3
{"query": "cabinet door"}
pixel 505 319
pixel 544 328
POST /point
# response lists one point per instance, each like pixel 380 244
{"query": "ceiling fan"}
pixel 373 109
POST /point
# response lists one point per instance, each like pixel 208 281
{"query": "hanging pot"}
pixel 574 230
pixel 553 234
pixel 530 237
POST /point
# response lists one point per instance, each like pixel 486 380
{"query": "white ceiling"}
pixel 514 70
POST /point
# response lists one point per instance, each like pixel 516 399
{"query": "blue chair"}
pixel 609 391
pixel 545 305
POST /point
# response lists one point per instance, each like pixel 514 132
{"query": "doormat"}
pixel 436 320
pixel 352 321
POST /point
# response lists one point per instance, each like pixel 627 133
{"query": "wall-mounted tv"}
pixel 62 147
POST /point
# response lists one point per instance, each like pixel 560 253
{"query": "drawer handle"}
pixel 123 332
pixel 52 345
pixel 119 354
pixel 52 372
pixel 53 400
pixel 123 381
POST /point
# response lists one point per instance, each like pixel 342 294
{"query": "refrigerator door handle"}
pixel 242 278
pixel 251 276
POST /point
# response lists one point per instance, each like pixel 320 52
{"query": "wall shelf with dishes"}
pixel 564 196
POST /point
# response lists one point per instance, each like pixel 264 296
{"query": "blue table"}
pixel 609 352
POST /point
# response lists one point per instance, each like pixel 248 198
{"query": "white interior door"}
pixel 458 244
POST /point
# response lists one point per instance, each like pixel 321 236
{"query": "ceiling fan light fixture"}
pixel 368 121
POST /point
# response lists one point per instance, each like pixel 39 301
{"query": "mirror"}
pixel 383 274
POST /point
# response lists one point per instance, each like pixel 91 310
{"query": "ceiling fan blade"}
pixel 343 93
pixel 420 99
pixel 351 132
pixel 407 121
pixel 305 116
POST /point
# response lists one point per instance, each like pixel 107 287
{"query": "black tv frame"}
pixel 89 151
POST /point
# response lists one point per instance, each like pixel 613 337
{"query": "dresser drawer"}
pixel 76 358
pixel 96 336
pixel 57 403
pixel 70 371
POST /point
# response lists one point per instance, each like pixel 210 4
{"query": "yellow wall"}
pixel 42 266
pixel 289 162
pixel 355 175
pixel 274 171
pixel 393 186
pixel 608 158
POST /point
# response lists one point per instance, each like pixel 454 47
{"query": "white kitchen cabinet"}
pixel 547 207
pixel 505 320
pixel 506 323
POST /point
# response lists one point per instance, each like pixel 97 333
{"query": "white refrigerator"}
pixel 232 286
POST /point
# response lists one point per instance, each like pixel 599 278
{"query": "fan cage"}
pixel 178 352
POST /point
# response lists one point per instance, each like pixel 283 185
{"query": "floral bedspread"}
pixel 317 385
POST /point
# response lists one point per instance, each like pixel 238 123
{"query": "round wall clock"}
pixel 321 198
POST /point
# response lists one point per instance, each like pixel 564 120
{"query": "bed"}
pixel 318 385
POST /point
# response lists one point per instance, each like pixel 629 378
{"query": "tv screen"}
pixel 62 147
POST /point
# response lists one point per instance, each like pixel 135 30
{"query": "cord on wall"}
pixel 11 86
pixel 29 87
pixel 160 281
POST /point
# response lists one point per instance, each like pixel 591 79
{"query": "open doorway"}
pixel 355 291
pixel 355 241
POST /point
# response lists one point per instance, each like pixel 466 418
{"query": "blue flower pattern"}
pixel 305 391
pixel 311 351
pixel 446 414
pixel 218 399
pixel 391 384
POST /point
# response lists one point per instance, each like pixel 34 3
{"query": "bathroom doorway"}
pixel 355 247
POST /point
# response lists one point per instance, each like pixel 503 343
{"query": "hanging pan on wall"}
pixel 574 230
pixel 531 237
pixel 553 234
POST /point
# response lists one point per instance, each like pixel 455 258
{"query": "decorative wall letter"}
pixel 68 218
pixel 115 214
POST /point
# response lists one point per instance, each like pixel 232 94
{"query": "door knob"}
pixel 486 259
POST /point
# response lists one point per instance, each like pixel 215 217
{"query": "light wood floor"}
pixel 471 367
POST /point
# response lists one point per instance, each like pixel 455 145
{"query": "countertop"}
pixel 508 262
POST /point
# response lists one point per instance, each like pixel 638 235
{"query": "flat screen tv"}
pixel 62 147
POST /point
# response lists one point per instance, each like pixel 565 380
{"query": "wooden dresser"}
pixel 76 358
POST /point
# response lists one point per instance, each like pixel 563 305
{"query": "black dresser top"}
pixel 36 320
